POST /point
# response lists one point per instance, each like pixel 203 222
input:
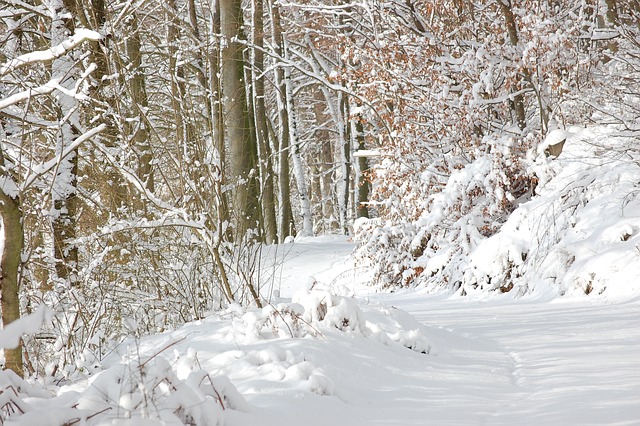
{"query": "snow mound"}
pixel 318 312
pixel 276 367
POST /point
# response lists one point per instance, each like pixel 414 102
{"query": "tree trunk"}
pixel 346 164
pixel 217 118
pixel 242 148
pixel 324 166
pixel 299 174
pixel 512 30
pixel 140 138
pixel 287 224
pixel 65 201
pixel 175 74
pixel 362 210
pixel 264 149
pixel 13 239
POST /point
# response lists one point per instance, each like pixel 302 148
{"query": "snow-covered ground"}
pixel 501 361
pixel 405 358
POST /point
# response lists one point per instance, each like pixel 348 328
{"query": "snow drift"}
pixel 579 234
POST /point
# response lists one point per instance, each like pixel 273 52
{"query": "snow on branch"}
pixel 10 335
pixel 81 35
pixel 45 89
pixel 49 165
pixel 366 153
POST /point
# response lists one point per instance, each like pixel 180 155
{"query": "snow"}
pixel 367 153
pixel 10 335
pixel 580 234
pixel 319 356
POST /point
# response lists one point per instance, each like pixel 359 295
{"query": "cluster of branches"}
pixel 460 81
pixel 149 148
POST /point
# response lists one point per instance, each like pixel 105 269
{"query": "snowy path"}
pixel 496 362
pixel 562 363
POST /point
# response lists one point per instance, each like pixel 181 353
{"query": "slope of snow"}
pixel 579 234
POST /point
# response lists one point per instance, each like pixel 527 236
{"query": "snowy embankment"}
pixel 580 234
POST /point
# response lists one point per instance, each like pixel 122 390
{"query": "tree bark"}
pixel 217 119
pixel 287 224
pixel 242 147
pixel 13 240
pixel 512 30
pixel 324 166
pixel 346 164
pixel 140 138
pixel 362 210
pixel 264 148
pixel 65 201
pixel 13 237
pixel 299 173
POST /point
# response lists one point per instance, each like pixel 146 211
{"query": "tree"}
pixel 243 151
pixel 261 126
pixel 287 225
pixel 12 241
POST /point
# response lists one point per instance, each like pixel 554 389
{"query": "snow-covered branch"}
pixel 45 89
pixel 81 35
pixel 50 165
pixel 10 335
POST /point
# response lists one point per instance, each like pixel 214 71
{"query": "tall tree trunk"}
pixel 287 224
pixel 299 174
pixel 324 164
pixel 175 74
pixel 242 148
pixel 11 237
pixel 217 122
pixel 116 194
pixel 65 202
pixel 12 234
pixel 264 147
pixel 140 138
pixel 346 164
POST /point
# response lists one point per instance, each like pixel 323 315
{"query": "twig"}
pixel 162 350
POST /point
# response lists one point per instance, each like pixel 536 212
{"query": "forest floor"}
pixel 404 358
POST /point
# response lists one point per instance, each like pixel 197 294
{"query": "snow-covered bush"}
pixel 576 235
pixel 149 391
pixel 135 283
pixel 473 205
pixel 579 235
pixel 319 312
